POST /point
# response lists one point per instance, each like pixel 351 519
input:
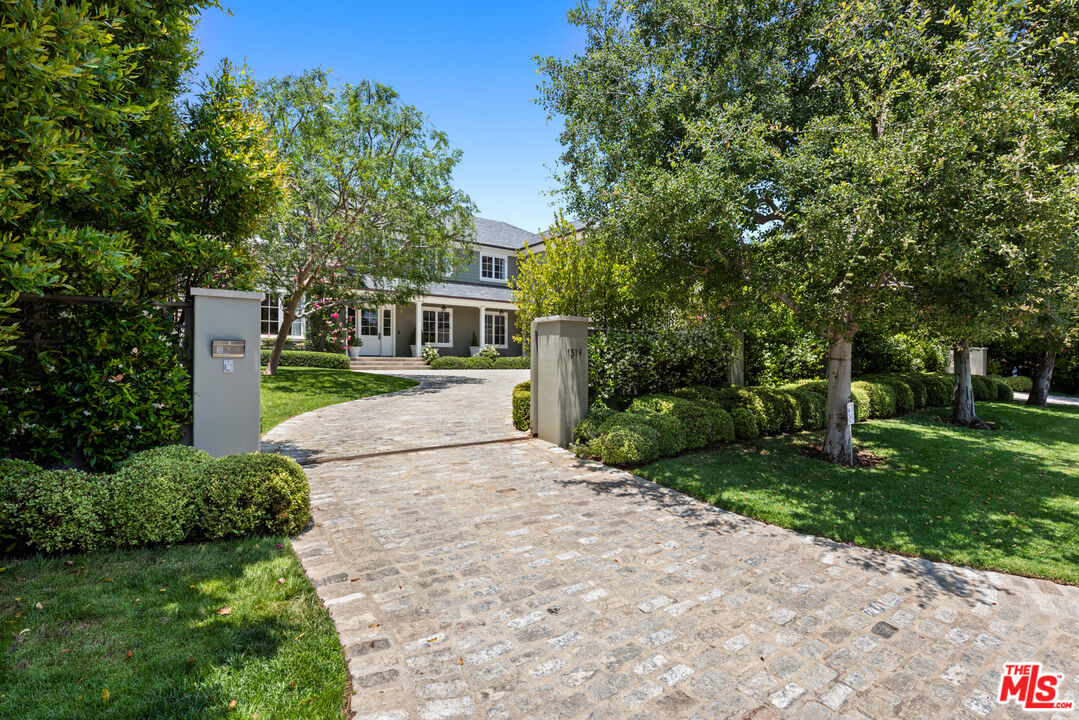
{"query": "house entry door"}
pixel 376 331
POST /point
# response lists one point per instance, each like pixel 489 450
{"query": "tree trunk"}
pixel 837 445
pixel 1039 394
pixel 287 317
pixel 963 391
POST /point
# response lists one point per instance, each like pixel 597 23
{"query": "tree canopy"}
pixel 370 203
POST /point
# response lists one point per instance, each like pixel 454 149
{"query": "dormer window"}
pixel 492 267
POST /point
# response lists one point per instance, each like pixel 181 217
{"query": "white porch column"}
pixel 483 328
pixel 419 329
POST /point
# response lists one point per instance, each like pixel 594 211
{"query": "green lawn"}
pixel 142 633
pixel 295 390
pixel 1006 499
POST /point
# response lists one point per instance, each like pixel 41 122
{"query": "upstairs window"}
pixel 492 267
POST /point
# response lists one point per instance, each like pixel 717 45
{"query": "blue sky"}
pixel 468 65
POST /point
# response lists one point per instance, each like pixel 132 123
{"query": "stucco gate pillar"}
pixel 225 371
pixel 559 376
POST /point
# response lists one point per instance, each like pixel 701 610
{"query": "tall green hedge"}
pixel 522 405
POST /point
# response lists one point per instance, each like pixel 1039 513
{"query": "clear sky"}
pixel 468 65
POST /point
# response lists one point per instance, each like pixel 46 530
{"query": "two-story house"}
pixel 470 309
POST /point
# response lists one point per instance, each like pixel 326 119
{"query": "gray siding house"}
pixel 474 303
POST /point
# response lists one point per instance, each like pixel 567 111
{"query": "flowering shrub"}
pixel 110 380
pixel 327 326
pixel 429 354
pixel 488 351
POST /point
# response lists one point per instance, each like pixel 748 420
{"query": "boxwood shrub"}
pixel 628 439
pixel 904 395
pixel 588 429
pixel 1003 390
pixel 463 363
pixel 306 358
pixel 938 389
pixel 984 391
pixel 522 405
pixel 1019 383
pixel 163 495
pixel 745 424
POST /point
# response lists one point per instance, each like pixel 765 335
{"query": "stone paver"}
pixel 513 580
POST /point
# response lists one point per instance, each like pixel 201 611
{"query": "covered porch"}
pixel 454 326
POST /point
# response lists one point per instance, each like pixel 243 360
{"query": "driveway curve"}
pixel 475 572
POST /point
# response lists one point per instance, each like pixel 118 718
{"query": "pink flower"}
pixel 334 315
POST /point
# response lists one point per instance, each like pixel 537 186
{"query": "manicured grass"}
pixel 295 390
pixel 1006 499
pixel 142 634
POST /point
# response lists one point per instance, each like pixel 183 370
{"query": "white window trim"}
pixel 438 310
pixel 504 257
pixel 507 334
pixel 280 314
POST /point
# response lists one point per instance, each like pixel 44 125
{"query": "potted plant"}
pixel 354 345
pixel 473 345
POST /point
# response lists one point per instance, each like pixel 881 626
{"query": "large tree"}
pixel 370 202
pixel 109 184
pixel 784 148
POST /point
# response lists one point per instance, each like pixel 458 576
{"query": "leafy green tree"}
pixel 370 202
pixel 790 149
pixel 108 185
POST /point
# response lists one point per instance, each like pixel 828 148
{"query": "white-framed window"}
pixel 437 328
pixel 492 267
pixel 273 310
pixel 494 329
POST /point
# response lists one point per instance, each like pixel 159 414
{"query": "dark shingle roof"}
pixel 502 235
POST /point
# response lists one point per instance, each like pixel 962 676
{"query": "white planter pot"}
pixel 412 351
pixel 354 352
pixel 473 350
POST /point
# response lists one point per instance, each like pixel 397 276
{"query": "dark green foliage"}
pixel 745 424
pixel 984 391
pixel 628 439
pixel 628 364
pixel 938 389
pixel 697 421
pixel 881 398
pixel 252 493
pixel 878 351
pixel 1003 391
pixel 735 397
pixel 512 363
pixel 160 496
pixel 522 405
pixel 59 510
pixel 12 468
pixel 588 429
pixel 859 395
pixel 812 409
pixel 782 409
pixel 110 381
pixel 722 423
pixel 904 396
pixel 1019 383
pixel 306 358
pixel 462 363
pixel 152 495
pixel 697 392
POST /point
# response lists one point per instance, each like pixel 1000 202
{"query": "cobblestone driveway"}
pixel 512 580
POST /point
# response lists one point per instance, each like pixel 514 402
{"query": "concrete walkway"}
pixel 1053 399
pixel 512 580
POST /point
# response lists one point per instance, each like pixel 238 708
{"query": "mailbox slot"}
pixel 227 348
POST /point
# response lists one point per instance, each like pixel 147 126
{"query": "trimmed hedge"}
pixel 462 363
pixel 1018 383
pixel 159 496
pixel 306 358
pixel 512 363
pixel 522 405
pixel 1004 391
pixel 938 389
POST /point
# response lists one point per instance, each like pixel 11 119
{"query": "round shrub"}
pixel 983 389
pixel 881 398
pixel 57 510
pixel 782 410
pixel 820 387
pixel 12 468
pixel 812 409
pixel 736 397
pixel 859 395
pixel 917 389
pixel 1003 391
pixel 588 429
pixel 904 396
pixel 744 424
pixel 722 423
pixel 252 493
pixel 672 433
pixel 306 358
pixel 938 389
pixel 1019 383
pixel 697 422
pixel 697 392
pixel 152 495
pixel 627 439
pixel 522 405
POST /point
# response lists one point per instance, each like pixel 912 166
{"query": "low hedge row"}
pixel 480 363
pixel 522 405
pixel 306 358
pixel 1018 383
pixel 159 496
pixel 655 426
